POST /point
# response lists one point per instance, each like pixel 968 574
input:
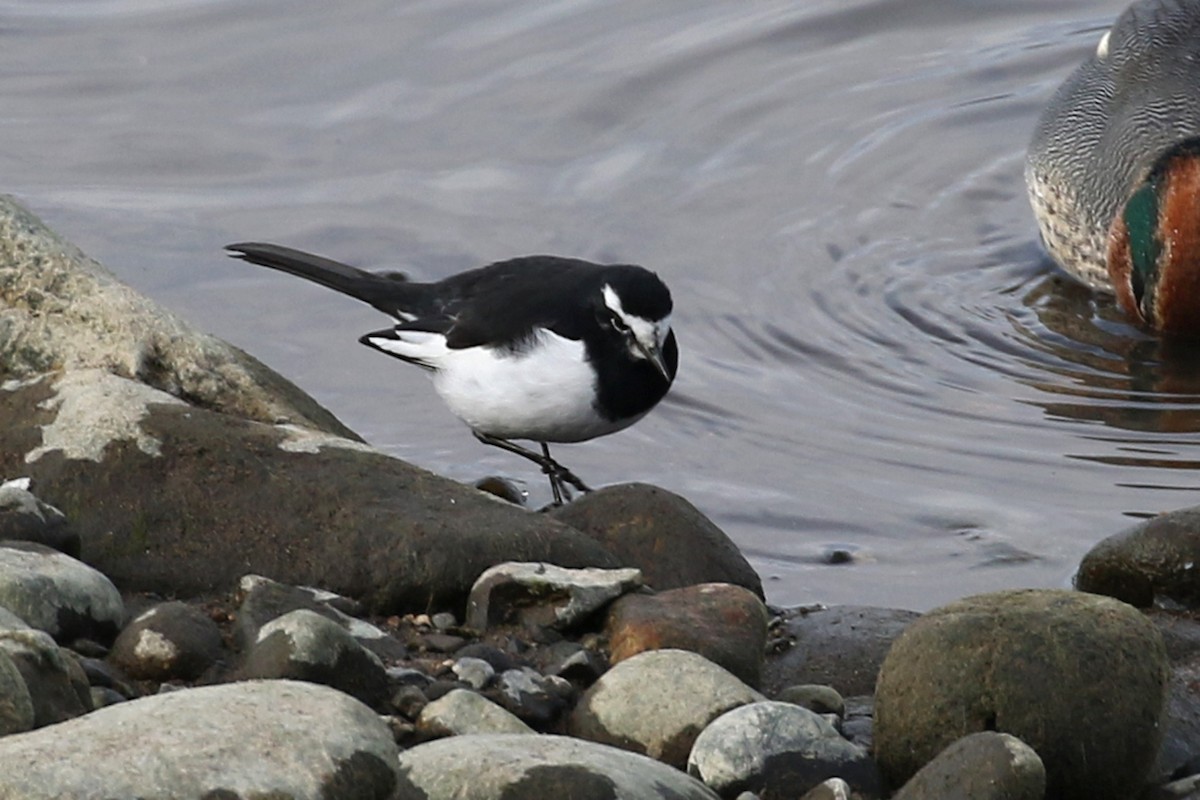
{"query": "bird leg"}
pixel 558 474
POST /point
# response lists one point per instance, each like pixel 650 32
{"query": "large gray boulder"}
pixel 504 766
pixel 254 739
pixel 184 464
pixel 58 594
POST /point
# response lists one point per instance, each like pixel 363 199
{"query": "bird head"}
pixel 1154 245
pixel 635 309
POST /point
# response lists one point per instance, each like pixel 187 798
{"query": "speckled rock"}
pixel 1080 678
pixel 777 750
pixel 58 687
pixel 544 595
pixel 26 518
pixel 1156 558
pixel 503 766
pixel 657 703
pixel 841 646
pixel 982 766
pixel 726 624
pixel 462 711
pixel 662 534
pixel 252 739
pixel 169 640
pixel 58 594
pixel 306 646
pixel 16 706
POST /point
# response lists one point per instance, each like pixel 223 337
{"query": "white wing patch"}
pixel 423 347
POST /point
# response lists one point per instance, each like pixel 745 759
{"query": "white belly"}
pixel 545 393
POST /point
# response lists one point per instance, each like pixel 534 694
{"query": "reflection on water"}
pixel 886 395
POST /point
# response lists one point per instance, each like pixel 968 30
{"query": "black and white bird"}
pixel 542 348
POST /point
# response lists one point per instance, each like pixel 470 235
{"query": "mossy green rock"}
pixel 1080 678
pixel 1156 558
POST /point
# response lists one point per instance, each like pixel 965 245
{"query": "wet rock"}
pixel 464 712
pixel 264 600
pixel 544 595
pixel 657 703
pixel 841 646
pixel 981 766
pixel 777 750
pixel 726 624
pixel 1080 678
pixel 251 739
pixel 24 517
pixel 16 706
pixel 499 766
pixel 531 696
pixel 305 646
pixel 58 687
pixel 58 594
pixel 170 640
pixel 474 672
pixel 1156 558
pixel 660 533
pixel 821 699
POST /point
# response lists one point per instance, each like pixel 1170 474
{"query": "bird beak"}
pixel 654 356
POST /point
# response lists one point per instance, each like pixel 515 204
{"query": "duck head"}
pixel 1154 245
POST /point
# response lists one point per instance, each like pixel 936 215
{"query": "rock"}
pixel 16 706
pixel 10 621
pixel 170 640
pixel 1180 748
pixel 24 517
pixel 777 750
pixel 264 600
pixel 657 703
pixel 574 662
pixel 660 533
pixel 305 646
pixel 474 672
pixel 463 712
pixel 858 721
pixel 832 789
pixel 726 624
pixel 56 593
pixel 253 739
pixel 1155 558
pixel 1079 678
pixel 409 701
pixel 499 659
pixel 61 309
pixel 821 699
pixel 544 595
pixel 981 766
pixel 58 687
pixel 499 766
pixel 531 696
pixel 842 647
pixel 294 505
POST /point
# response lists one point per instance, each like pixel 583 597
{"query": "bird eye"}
pixel 618 324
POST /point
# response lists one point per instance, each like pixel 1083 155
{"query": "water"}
pixel 877 359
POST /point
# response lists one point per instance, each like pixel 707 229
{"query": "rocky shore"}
pixel 210 588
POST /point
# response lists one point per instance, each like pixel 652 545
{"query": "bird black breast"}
pixel 628 387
